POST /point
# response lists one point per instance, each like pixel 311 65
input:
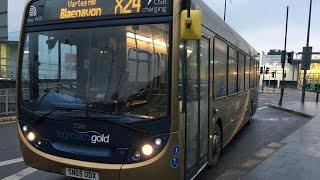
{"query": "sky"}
pixel 15 13
pixel 259 22
pixel 262 22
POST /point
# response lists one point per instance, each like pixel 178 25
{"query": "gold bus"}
pixel 130 89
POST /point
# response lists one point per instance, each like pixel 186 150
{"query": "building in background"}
pixel 294 74
pixel 272 60
pixel 11 12
pixel 313 75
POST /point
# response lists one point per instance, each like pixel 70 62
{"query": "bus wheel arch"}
pixel 217 143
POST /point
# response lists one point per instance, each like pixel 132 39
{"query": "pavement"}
pixel 294 156
pixel 298 155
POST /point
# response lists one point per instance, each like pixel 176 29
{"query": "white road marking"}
pixel 8 122
pixel 262 108
pixel 12 161
pixel 21 174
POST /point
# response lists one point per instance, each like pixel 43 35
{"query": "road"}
pixel 269 126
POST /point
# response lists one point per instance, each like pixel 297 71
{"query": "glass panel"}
pixel 220 68
pixel 8 63
pixel 252 74
pixel 204 94
pixel 247 73
pixel 192 103
pixel 257 73
pixel 69 61
pixel 48 59
pixel 232 71
pixel 98 68
pixel 241 73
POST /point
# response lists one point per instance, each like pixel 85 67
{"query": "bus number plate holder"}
pixel 82 174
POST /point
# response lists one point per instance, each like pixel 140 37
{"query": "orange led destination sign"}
pixel 49 10
pixel 87 9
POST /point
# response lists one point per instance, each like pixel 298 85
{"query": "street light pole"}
pixel 284 62
pixel 225 10
pixel 305 71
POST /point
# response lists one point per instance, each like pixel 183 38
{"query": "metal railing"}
pixel 7 102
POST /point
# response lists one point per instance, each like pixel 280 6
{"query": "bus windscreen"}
pixel 55 10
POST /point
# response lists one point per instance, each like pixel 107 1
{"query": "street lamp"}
pixel 225 9
pixel 306 55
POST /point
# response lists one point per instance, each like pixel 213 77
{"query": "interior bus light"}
pixel 146 39
pixel 147 149
pixel 31 136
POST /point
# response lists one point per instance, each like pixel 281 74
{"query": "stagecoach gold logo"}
pixel 84 8
pixel 90 136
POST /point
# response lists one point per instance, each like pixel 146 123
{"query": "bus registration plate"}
pixel 83 174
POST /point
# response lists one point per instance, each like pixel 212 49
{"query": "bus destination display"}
pixel 48 10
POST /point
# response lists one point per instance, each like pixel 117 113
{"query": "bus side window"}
pixel 252 74
pixel 247 72
pixel 220 68
pixel 257 73
pixel 232 71
pixel 241 72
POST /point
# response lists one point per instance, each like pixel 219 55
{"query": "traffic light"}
pixel 267 70
pixel 261 70
pixel 272 74
pixel 285 75
pixel 283 57
pixel 290 57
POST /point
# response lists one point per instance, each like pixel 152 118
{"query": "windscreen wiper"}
pixel 44 116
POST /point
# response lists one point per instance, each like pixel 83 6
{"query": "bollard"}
pixel 317 95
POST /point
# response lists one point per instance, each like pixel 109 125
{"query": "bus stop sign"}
pixel 306 58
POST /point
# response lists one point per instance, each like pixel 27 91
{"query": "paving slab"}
pixel 299 158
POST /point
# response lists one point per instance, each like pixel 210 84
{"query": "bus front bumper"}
pixel 155 168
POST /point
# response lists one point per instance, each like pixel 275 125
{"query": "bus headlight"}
pixel 24 128
pixel 146 149
pixel 136 156
pixel 31 136
pixel 158 142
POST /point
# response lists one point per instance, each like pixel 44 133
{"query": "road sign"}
pixel 306 58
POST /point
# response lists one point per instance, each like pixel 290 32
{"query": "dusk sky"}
pixel 262 22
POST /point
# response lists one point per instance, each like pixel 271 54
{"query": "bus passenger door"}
pixel 196 105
